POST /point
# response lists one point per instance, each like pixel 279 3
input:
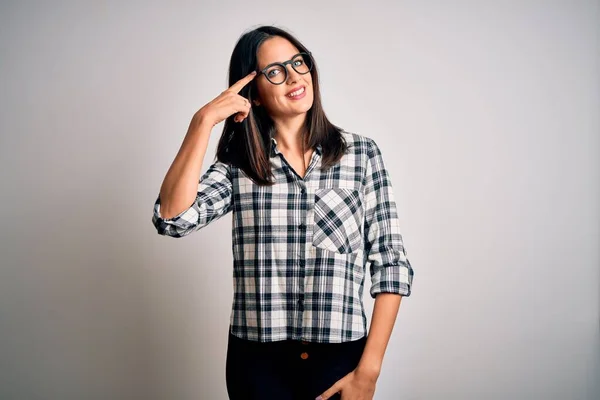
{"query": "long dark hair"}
pixel 247 145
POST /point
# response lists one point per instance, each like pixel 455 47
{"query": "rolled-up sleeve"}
pixel 213 201
pixel 390 269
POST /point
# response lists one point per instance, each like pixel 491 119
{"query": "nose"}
pixel 292 75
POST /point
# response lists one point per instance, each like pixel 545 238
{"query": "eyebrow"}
pixel 280 62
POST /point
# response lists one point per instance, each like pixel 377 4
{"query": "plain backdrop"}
pixel 487 114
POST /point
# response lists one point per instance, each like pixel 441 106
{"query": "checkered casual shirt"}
pixel 301 247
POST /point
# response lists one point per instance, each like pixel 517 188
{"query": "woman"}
pixel 312 205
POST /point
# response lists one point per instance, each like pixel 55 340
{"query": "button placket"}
pixel 302 253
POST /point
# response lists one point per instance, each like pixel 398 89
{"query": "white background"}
pixel 487 116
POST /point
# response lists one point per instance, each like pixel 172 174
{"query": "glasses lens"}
pixel 276 74
pixel 302 63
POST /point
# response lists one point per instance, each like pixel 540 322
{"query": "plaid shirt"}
pixel 301 247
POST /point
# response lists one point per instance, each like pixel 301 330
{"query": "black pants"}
pixel 287 370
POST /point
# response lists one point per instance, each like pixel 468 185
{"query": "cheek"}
pixel 267 91
pixel 271 96
pixel 308 78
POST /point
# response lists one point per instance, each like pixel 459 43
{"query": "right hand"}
pixel 227 103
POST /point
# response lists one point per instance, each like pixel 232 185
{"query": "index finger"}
pixel 236 87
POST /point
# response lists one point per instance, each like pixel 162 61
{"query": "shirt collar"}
pixel 275 150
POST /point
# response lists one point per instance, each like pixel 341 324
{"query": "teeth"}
pixel 296 93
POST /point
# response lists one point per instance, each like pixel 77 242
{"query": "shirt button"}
pixel 304 355
pixel 301 226
pixel 302 191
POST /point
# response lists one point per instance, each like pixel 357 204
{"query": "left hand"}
pixel 354 386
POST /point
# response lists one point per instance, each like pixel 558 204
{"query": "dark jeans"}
pixel 287 370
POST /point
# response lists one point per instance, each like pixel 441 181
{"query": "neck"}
pixel 289 133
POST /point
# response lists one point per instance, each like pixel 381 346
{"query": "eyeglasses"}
pixel 277 73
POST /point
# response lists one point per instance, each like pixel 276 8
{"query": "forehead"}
pixel 275 49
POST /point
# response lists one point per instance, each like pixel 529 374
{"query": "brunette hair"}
pixel 247 145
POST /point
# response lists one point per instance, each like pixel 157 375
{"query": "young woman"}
pixel 312 206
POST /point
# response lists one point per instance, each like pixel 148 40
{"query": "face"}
pixel 275 98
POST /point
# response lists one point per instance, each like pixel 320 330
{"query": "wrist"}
pixel 201 121
pixel 199 130
pixel 366 371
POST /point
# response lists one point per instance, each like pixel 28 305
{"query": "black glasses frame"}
pixel 283 65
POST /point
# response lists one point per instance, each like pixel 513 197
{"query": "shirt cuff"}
pixel 392 278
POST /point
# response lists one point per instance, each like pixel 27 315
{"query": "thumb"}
pixel 329 392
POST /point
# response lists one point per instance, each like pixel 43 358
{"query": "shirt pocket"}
pixel 338 217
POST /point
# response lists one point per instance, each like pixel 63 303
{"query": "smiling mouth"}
pixel 297 92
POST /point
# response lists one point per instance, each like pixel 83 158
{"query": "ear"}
pixel 256 102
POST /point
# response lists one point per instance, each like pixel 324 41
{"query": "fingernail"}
pixel 319 398
pixel 254 73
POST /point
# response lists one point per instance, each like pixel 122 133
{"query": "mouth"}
pixel 296 92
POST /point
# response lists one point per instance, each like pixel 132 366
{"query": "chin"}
pixel 305 106
pixel 301 110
